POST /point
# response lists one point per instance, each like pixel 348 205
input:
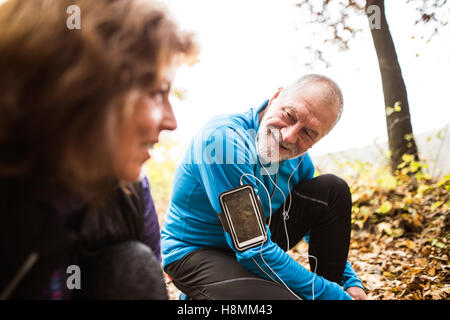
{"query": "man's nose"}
pixel 289 135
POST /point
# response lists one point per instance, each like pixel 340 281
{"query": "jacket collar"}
pixel 256 115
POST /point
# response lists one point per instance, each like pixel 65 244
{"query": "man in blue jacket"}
pixel 266 148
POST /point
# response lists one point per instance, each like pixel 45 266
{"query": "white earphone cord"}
pixel 285 217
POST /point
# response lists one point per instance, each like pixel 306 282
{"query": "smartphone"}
pixel 243 213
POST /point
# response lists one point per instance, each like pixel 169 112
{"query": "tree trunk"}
pixel 401 139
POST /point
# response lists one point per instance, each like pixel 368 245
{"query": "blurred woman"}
pixel 79 111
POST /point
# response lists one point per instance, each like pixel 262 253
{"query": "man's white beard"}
pixel 266 154
pixel 272 154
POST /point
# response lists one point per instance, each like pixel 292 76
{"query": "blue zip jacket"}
pixel 219 157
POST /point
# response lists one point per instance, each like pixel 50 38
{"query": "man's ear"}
pixel 275 95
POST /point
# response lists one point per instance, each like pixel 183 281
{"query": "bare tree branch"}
pixel 338 17
pixel 432 12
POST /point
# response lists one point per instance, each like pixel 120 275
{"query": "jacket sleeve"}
pixel 350 279
pixel 269 260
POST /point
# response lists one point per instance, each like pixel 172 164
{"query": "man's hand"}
pixel 356 293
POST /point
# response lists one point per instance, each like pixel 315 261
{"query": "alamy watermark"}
pixel 374 15
pixel 74 279
pixel 73 21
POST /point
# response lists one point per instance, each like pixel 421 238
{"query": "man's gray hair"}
pixel 334 93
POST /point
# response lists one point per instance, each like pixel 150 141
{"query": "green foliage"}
pixel 161 169
pixel 409 169
pixel 409 201
pixel 179 93
pixel 385 208
pixel 396 108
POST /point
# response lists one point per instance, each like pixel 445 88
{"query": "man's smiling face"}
pixel 295 121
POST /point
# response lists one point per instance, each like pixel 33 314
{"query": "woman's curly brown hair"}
pixel 62 91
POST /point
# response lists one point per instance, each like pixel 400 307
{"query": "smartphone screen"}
pixel 245 221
